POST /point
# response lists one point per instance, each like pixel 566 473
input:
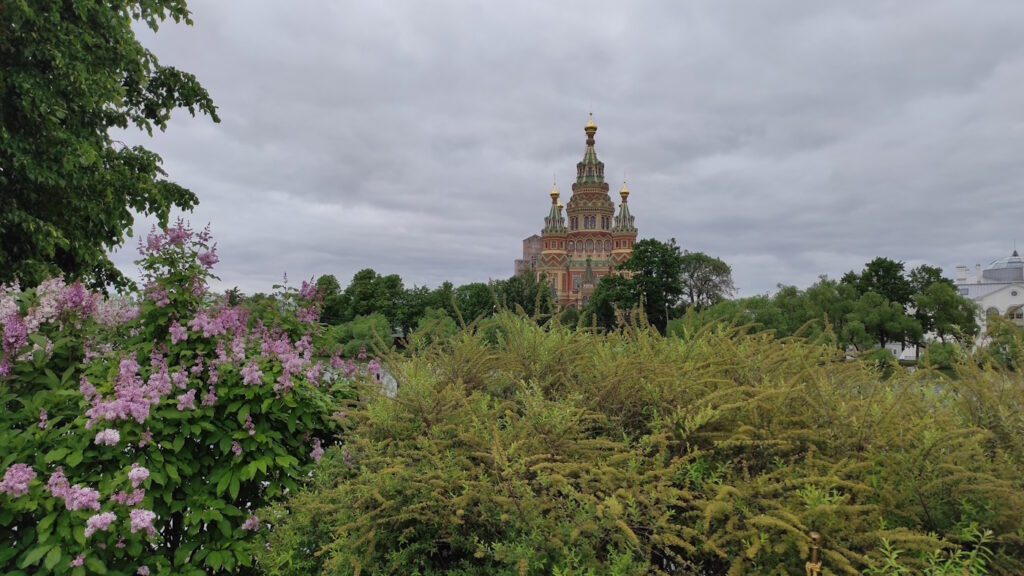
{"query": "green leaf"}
pixel 225 527
pixel 222 485
pixel 234 487
pixel 172 472
pixel 35 555
pixel 179 443
pixel 52 558
pixel 74 458
pixel 56 454
pixel 95 564
pixel 243 413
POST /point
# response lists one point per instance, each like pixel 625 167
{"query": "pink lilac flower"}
pixel 108 437
pixel 143 571
pixel 350 369
pixel 99 522
pixel 178 332
pixel 236 448
pixel 58 484
pixel 238 348
pixel 158 385
pixel 308 290
pixel 137 474
pixel 252 374
pixel 318 450
pixel 42 418
pixel 209 258
pixel 16 479
pixel 284 383
pixel 158 294
pixel 131 399
pixel 132 498
pixel 202 322
pixel 249 425
pixel 115 311
pixel 337 362
pixel 178 234
pixel 308 314
pixel 142 519
pixel 197 368
pixel 145 438
pixel 15 334
pixel 373 367
pixel 214 376
pixel 187 401
pixel 210 398
pixel 313 373
pixel 180 377
pixel 78 300
pixel 362 352
pixel 120 543
pixel 77 561
pixel 251 523
pixel 82 498
pixel 87 389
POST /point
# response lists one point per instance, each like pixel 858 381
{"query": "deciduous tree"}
pixel 70 73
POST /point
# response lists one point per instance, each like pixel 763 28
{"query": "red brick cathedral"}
pixel 574 254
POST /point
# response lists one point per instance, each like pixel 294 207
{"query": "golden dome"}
pixel 559 206
pixel 554 192
pixel 590 123
pixel 624 192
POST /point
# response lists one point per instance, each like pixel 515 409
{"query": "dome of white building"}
pixel 1008 269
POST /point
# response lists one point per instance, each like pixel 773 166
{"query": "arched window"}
pixel 590 245
pixel 572 246
pixel 992 311
pixel 607 245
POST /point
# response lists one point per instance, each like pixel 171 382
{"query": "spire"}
pixel 554 221
pixel 624 220
pixel 588 273
pixel 590 170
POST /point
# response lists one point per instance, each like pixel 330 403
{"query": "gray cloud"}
pixel 791 139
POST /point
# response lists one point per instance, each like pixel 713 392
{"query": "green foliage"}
pixel 365 332
pixel 71 73
pixel 526 449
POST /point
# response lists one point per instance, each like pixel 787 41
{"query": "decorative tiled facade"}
pixel 590 240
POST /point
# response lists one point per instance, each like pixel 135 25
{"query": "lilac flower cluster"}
pixel 132 498
pixel 75 497
pixel 137 474
pixel 107 437
pixel 318 452
pixel 99 523
pixel 252 523
pixel 16 480
pixel 142 519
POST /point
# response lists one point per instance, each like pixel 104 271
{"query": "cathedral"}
pixel 574 250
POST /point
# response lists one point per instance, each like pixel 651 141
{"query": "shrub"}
pixel 537 450
pixel 142 436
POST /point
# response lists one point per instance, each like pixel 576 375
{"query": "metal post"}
pixel 814 566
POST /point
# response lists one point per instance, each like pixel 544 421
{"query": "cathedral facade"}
pixel 591 239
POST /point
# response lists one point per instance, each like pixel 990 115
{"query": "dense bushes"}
pixel 540 450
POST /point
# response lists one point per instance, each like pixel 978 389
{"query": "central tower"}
pixel 590 241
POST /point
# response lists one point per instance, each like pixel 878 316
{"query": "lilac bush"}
pixel 141 435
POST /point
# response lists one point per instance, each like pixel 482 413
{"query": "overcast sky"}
pixel 790 139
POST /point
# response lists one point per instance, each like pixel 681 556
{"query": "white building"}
pixel 998 289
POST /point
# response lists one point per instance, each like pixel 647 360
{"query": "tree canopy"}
pixel 70 72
